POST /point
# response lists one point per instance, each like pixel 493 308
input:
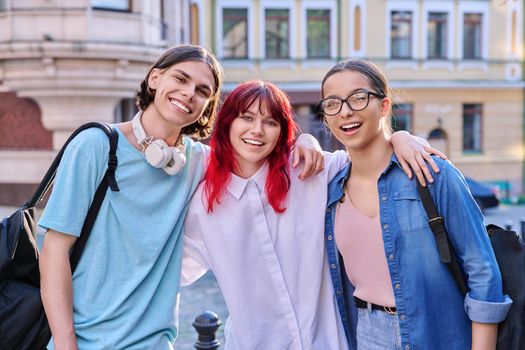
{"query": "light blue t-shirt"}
pixel 126 285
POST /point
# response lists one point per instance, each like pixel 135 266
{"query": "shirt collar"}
pixel 238 184
pixel 335 188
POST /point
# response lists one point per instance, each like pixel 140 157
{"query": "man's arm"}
pixel 56 288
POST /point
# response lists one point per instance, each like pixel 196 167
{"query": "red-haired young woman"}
pixel 260 228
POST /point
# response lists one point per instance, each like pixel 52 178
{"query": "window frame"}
pixel 479 135
pixel 411 6
pixel 319 5
pixel 201 15
pixel 514 7
pixel 478 51
pixel 481 7
pixel 233 4
pixel 444 7
pixel 362 28
pixel 278 5
pixel 442 52
pixel 410 115
pixel 106 8
pixel 244 17
pixel 326 20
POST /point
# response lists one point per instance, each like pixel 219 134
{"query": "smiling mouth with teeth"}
pixel 253 142
pixel 179 105
pixel 350 126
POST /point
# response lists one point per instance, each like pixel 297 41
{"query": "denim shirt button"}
pixel 397 286
pixel 403 317
pixel 383 198
pixel 391 257
pixel 333 266
pixel 329 237
pixel 385 226
pixel 338 292
pixel 328 210
pixel 407 347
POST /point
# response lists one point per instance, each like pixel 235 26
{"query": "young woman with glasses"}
pixel 392 290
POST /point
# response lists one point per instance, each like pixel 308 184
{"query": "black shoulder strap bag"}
pixel 23 323
pixel 510 254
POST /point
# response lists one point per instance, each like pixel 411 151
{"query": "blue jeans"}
pixel 377 330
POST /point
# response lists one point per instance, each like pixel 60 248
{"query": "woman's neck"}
pixel 370 161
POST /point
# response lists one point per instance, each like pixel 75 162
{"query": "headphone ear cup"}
pixel 158 154
pixel 177 162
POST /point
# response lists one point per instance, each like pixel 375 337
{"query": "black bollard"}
pixel 206 325
pixel 508 225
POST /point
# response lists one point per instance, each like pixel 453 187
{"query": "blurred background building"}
pixel 456 67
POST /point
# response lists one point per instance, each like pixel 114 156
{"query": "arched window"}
pixel 357 28
pixel 437 134
pixel 438 139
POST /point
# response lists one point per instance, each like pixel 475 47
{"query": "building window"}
pixel 472 35
pixel 472 127
pixel 277 33
pixel 318 33
pixel 357 29
pixel 437 35
pixel 235 33
pixel 402 117
pixel 401 34
pixel 114 5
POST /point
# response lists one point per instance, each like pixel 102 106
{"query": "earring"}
pixel 203 121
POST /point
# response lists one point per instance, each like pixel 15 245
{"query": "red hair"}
pixel 222 161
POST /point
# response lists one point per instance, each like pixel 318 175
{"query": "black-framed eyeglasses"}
pixel 357 102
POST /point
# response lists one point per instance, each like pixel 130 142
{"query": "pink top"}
pixel 359 240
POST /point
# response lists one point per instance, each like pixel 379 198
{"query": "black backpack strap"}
pixel 47 181
pixel 437 225
pixel 107 181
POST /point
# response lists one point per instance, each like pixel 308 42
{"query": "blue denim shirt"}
pixel 432 312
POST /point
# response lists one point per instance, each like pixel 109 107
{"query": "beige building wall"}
pixel 77 63
pixel 437 89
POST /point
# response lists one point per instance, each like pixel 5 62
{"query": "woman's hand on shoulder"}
pixel 414 154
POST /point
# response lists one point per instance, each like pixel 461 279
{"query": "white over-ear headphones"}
pixel 157 152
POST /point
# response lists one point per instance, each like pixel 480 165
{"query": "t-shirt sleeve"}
pixel 77 177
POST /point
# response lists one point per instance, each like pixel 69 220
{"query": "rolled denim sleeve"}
pixel 485 302
pixel 486 311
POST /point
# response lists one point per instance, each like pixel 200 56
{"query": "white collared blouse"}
pixel 271 268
